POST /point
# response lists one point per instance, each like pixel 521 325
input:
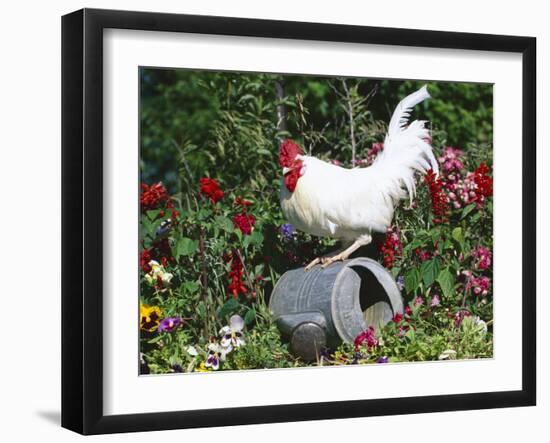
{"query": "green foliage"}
pixel 428 333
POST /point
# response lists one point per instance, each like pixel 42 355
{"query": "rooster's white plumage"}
pixel 350 204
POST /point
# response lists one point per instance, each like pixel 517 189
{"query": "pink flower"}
pixel 459 316
pixel 450 160
pixel 479 285
pixel 418 301
pixel 435 300
pixel 482 257
pixel 366 338
pixel 475 187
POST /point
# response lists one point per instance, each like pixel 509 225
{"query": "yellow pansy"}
pixel 202 368
pixel 149 317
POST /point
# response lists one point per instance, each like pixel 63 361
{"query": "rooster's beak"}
pixel 286 170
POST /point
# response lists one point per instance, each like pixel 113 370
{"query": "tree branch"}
pixel 204 279
pixel 351 122
pixel 281 110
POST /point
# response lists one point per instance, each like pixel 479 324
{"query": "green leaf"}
pixel 429 271
pixel 190 287
pixel 458 236
pixel 467 210
pixel 153 214
pixel 250 316
pixel 155 339
pixel 146 227
pixel 256 238
pixel 186 247
pixel 447 282
pixel 201 309
pixel 395 271
pixel 259 270
pixel 412 279
pixel 435 233
pixel 225 223
pixel 410 334
pixel 418 242
pixel 228 308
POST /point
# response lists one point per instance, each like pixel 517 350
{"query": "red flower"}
pixel 397 318
pixel 175 215
pixel 483 181
pixel 391 247
pixel 422 255
pixel 236 275
pixel 144 259
pixel 439 199
pixel 152 196
pixel 210 188
pixel 160 251
pixel 245 222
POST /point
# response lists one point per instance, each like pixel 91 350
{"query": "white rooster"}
pixel 350 204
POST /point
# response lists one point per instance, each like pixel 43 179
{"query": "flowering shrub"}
pixel 213 241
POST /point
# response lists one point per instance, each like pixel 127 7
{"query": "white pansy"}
pixel 232 335
pixel 216 353
pixel 192 351
pixel 480 324
pixel 157 270
pixel 449 354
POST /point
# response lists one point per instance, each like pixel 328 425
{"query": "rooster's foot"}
pixel 327 261
pixel 312 263
pixel 342 254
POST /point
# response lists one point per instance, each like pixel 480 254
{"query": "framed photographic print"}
pixel 269 221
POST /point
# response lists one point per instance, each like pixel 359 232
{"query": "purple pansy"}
pixel 287 231
pixel 169 324
pixel 400 282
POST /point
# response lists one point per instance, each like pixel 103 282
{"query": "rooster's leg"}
pixel 344 255
pixel 324 258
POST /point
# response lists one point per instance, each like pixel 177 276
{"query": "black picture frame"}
pixel 82 218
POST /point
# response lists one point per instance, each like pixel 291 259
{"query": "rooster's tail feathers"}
pixel 403 110
pixel 407 148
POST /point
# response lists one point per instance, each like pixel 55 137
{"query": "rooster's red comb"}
pixel 288 151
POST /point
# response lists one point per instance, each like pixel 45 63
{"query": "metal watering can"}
pixel 323 307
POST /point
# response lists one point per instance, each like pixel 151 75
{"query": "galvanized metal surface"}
pixel 307 340
pixel 343 300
